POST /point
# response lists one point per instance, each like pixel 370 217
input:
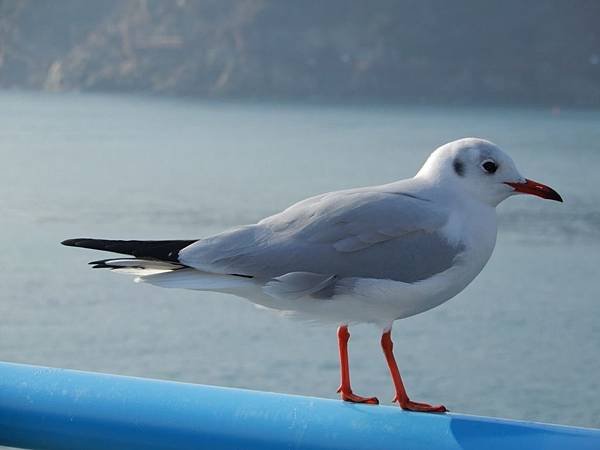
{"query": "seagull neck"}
pixel 437 188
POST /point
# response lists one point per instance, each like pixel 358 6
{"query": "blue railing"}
pixel 49 408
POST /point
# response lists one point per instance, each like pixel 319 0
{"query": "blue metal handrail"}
pixel 49 408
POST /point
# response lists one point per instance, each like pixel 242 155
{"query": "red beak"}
pixel 535 188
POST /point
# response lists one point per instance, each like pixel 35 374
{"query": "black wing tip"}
pixel 74 242
pixel 160 250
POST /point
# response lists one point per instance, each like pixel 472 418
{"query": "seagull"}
pixel 366 255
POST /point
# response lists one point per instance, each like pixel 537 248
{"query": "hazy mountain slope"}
pixel 464 51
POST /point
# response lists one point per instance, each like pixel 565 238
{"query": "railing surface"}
pixel 49 408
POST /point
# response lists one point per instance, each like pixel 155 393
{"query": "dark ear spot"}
pixel 459 168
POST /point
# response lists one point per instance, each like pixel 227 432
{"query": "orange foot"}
pixel 420 407
pixel 348 396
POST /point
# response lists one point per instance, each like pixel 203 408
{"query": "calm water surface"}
pixel 522 341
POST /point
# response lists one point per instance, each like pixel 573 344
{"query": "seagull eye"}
pixel 489 166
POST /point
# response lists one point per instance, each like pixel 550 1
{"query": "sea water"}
pixel 522 341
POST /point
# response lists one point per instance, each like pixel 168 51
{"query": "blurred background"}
pixel 178 119
pixel 545 53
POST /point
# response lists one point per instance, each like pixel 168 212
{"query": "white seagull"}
pixel 371 254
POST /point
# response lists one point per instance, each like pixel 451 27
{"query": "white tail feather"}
pixel 136 266
pixel 195 279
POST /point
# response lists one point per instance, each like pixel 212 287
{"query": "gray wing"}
pixel 355 233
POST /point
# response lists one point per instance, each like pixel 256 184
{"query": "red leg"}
pixel 345 390
pixel 401 395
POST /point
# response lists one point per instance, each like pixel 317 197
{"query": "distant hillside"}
pixel 464 51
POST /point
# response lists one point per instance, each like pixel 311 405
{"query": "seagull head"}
pixel 480 169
